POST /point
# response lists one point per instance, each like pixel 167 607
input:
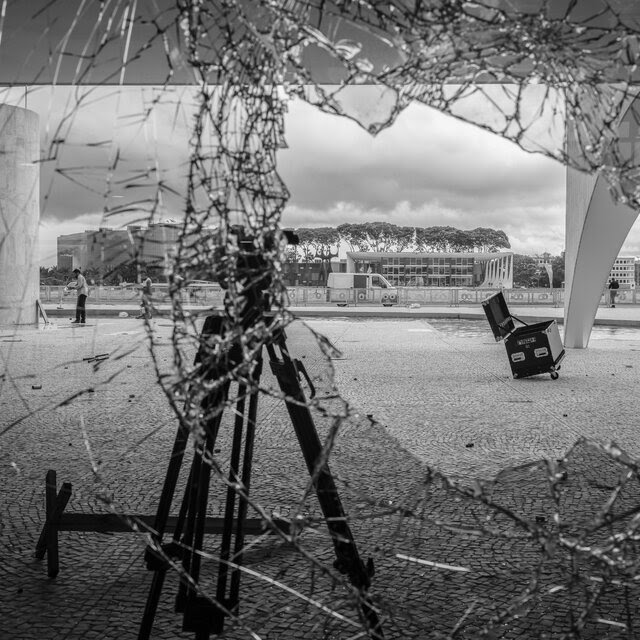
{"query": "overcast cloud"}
pixel 427 169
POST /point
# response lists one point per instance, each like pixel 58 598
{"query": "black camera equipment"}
pixel 207 615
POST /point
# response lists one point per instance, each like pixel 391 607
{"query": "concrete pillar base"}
pixel 596 230
pixel 19 215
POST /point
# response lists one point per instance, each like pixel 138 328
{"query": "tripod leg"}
pixel 169 486
pixel 347 557
pixel 229 511
pixel 155 560
pixel 213 325
pixel 193 540
pixel 192 516
pixel 157 582
pixel 244 476
pixel 196 496
pixel 152 559
pixel 202 615
pixel 234 589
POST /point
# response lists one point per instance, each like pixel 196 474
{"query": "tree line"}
pixel 322 243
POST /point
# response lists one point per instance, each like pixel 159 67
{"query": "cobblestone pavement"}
pixel 422 396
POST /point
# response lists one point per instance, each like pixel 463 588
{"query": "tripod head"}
pixel 244 272
pixel 248 268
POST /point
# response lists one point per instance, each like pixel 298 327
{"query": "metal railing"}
pixel 205 295
pixel 441 296
pixel 212 295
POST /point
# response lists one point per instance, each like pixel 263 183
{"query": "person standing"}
pixel 83 291
pixel 614 285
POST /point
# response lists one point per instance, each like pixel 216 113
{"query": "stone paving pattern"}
pixel 422 396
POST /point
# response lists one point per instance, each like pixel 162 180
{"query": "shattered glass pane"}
pixel 192 99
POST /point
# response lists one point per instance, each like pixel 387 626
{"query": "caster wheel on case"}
pixel 554 375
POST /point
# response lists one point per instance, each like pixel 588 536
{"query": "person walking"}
pixel 146 291
pixel 83 291
pixel 614 285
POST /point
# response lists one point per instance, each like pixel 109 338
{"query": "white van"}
pixel 356 288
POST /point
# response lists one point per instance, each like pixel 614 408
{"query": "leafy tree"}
pixel 433 238
pixel 93 275
pixel 54 276
pixel 126 272
pixel 319 243
pixel 379 236
pixel 306 245
pixel 353 235
pixel 528 273
pixel 443 239
pixel 424 238
pixel 557 262
pixel 291 253
pixel 525 271
pixel 376 236
pixel 384 236
pixel 459 241
pixel 405 238
pixel 489 240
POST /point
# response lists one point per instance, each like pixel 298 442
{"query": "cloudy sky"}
pixel 427 169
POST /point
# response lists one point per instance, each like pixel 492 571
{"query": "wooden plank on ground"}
pixel 113 523
pixel 61 502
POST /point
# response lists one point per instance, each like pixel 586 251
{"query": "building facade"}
pixel 624 271
pixel 106 249
pixel 102 249
pixel 428 269
pixel 65 262
pixel 154 244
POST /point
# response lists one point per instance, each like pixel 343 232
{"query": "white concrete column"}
pixel 19 215
pixel 596 230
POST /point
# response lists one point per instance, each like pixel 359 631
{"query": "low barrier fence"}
pixel 212 295
pixel 442 296
pixel 206 296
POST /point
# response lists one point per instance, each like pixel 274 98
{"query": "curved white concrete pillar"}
pixel 19 215
pixel 596 230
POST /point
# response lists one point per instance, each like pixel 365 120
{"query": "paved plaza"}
pixel 422 396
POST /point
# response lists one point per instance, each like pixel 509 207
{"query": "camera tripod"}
pixel 207 615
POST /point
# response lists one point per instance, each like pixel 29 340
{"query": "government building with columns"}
pixel 430 269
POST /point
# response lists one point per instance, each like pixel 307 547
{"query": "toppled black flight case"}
pixel 533 348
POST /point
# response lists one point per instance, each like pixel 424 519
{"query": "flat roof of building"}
pixel 428 254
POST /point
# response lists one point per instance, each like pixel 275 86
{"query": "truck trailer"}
pixel 360 288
